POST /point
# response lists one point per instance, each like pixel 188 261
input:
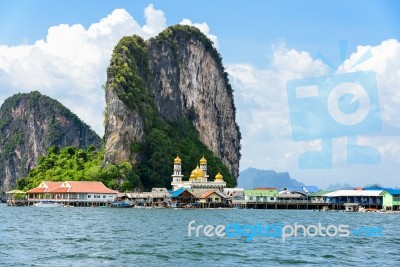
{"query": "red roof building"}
pixel 76 193
pixel 44 187
pixel 83 187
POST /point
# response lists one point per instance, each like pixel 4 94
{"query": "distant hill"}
pixel 373 186
pixel 334 187
pixel 252 178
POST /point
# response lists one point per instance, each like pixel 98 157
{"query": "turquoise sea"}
pixel 159 237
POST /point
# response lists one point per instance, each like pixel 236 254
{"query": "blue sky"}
pixel 250 28
pixel 263 44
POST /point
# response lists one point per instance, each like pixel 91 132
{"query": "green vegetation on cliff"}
pixel 130 74
pixel 163 143
pixel 73 164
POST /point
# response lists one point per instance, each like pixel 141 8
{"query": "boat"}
pixel 351 207
pixel 121 204
pixel 47 204
pixel 362 209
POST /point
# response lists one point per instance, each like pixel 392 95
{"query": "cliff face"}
pixel 180 75
pixel 188 78
pixel 123 127
pixel 29 125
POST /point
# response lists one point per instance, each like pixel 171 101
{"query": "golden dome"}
pixel 203 160
pixel 177 160
pixel 219 177
pixel 198 172
pixel 193 176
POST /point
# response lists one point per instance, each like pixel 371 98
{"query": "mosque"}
pixel 198 178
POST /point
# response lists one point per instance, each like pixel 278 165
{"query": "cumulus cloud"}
pixel 263 92
pixel 70 63
pixel 263 113
pixel 262 108
pixel 385 62
pixel 155 21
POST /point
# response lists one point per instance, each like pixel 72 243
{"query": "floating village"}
pixel 199 191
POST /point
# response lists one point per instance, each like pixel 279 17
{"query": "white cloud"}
pixel 262 93
pixel 70 63
pixel 203 27
pixel 155 20
pixel 263 114
pixel 385 61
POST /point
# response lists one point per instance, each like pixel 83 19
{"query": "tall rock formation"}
pixel 29 125
pixel 179 75
pixel 189 79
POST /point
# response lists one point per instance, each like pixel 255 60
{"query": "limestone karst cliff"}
pixel 175 80
pixel 29 125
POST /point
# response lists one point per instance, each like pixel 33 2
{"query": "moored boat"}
pixel 121 204
pixel 47 204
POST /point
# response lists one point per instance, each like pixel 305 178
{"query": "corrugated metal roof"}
pixel 73 187
pixel 354 193
pixel 294 188
pixel 393 191
pixel 140 195
pixel 288 192
pixel 319 193
pixel 160 194
pixel 260 192
pixel 294 195
pixel 178 192
pixel 83 187
pixel 45 187
pixel 210 192
pixel 265 188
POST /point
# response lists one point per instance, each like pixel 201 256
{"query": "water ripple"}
pixel 111 237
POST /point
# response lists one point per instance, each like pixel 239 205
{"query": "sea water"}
pixel 32 236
